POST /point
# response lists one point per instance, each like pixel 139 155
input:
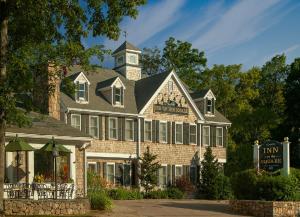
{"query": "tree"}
pixel 151 61
pixel 209 175
pixel 149 169
pixel 36 33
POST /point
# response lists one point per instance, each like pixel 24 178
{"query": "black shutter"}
pixel 205 105
pixel 120 129
pixel 76 91
pixel 225 137
pixel 169 175
pixel 173 132
pixel 213 136
pixel 119 173
pixel 100 128
pixel 169 135
pixel 69 119
pixel 135 128
pixel 114 95
pixel 198 134
pixel 104 170
pixel 106 128
pixel 157 131
pixel 184 173
pixel 186 133
pixel 133 173
pixel 173 175
pixel 85 123
pixel 142 127
pixel 213 106
pixel 86 88
pixel 122 95
pixel 153 131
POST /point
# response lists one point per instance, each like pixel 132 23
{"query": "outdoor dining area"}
pixel 51 171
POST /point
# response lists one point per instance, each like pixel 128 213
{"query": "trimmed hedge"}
pixel 248 185
pixel 169 193
pixel 124 194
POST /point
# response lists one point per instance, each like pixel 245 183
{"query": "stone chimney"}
pixel 46 95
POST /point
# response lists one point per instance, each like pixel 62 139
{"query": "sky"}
pixel 248 32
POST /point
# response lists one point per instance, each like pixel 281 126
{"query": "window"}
pixel 170 86
pixel 132 59
pixel 147 130
pixel 163 132
pixel 113 128
pixel 94 126
pixel 120 60
pixel 178 172
pixel 129 129
pixel 122 174
pixel 110 172
pixel 118 95
pixel 92 167
pixel 219 136
pixel 162 176
pixel 178 133
pixel 209 106
pixel 76 121
pixel 193 134
pixel 205 133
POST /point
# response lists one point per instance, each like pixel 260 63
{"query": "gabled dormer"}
pixel 113 90
pixel 205 101
pixel 82 88
pixel 127 61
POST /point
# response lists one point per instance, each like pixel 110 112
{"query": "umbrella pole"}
pixel 18 166
pixel 27 177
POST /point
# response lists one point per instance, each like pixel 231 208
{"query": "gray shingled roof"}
pixel 218 117
pixel 97 101
pixel 199 94
pixel 126 45
pixel 45 125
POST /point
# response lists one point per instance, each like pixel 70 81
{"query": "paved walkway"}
pixel 174 208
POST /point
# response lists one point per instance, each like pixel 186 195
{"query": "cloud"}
pixel 151 20
pixel 242 22
pixel 285 51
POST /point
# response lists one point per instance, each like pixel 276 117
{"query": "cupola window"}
pixel 132 59
pixel 120 60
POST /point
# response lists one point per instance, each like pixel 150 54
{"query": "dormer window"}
pixel 81 91
pixel 118 96
pixel 209 106
pixel 82 88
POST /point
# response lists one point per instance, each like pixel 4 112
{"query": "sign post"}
pixel 286 156
pixel 256 155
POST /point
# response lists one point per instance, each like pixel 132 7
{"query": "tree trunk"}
pixel 3 59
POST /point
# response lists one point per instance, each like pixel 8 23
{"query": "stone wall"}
pixel 266 208
pixel 80 172
pixel 46 207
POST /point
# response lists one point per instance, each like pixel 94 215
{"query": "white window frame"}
pixel 110 163
pixel 90 117
pixel 166 178
pixel 109 136
pixel 219 136
pixel 118 102
pixel 211 106
pixel 195 134
pixel 163 122
pixel 178 123
pixel 72 115
pixel 176 176
pixel 93 163
pixel 149 121
pixel 204 135
pixel 135 58
pixel 133 132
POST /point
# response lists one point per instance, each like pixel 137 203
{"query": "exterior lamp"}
pixel 55 154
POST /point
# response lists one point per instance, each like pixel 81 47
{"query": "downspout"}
pixel 138 153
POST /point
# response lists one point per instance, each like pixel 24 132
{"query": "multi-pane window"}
pixel 113 128
pixel 193 134
pixel 132 59
pixel 92 167
pixel 205 137
pixel 94 126
pixel 219 136
pixel 76 121
pixel 178 172
pixel 163 132
pixel 81 91
pixel 178 133
pixel 147 130
pixel 162 176
pixel 209 106
pixel 110 172
pixel 129 129
pixel 118 95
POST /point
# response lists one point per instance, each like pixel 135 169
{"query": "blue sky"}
pixel 247 32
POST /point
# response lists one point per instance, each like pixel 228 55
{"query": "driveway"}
pixel 182 208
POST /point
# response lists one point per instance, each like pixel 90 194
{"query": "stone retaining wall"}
pixel 266 208
pixel 46 207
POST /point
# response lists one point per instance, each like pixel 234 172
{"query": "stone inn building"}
pixel 126 113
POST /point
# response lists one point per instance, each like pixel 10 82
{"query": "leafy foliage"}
pixel 149 168
pixel 99 200
pixel 124 194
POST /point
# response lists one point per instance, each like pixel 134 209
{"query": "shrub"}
pixel 158 194
pixel 124 194
pixel 224 191
pixel 94 181
pixel 184 184
pixel 174 193
pixel 99 200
